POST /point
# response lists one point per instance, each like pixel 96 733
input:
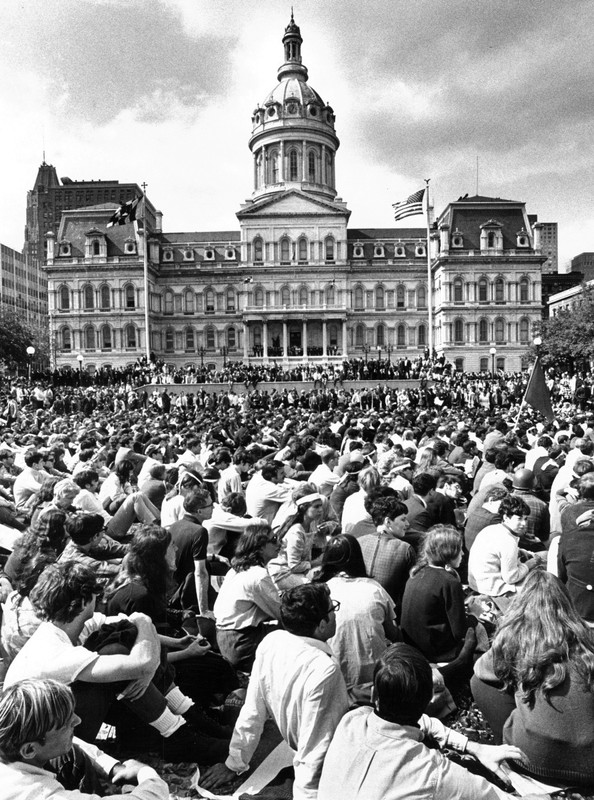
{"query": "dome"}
pixel 293 89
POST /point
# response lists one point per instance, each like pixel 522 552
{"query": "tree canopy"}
pixel 568 337
pixel 16 336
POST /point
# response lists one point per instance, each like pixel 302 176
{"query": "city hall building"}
pixel 294 282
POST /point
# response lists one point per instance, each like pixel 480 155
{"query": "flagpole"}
pixel 429 286
pixel 145 278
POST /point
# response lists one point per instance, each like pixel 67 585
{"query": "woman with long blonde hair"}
pixel 536 684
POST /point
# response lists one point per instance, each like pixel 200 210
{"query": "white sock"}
pixel 177 701
pixel 168 723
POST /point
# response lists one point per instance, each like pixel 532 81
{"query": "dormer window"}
pixel 209 254
pixel 378 251
pixel 457 239
pixel 65 248
pixel 230 254
pixel 399 251
pixel 167 255
pixel 522 239
pixel 491 236
pixel 358 251
pixel 420 250
pixel 188 255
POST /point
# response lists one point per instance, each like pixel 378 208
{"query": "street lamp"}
pixel 30 353
pixel 201 351
pixel 366 350
pixel 389 349
pixel 379 352
pixel 224 352
pixel 493 352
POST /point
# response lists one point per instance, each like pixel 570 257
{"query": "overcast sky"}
pixel 162 91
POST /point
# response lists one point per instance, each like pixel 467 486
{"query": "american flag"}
pixel 409 207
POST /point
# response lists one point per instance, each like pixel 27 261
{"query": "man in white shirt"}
pixel 323 477
pixel 266 491
pixel 296 680
pixel 37 722
pixel 30 479
pixel 87 499
pixel 230 480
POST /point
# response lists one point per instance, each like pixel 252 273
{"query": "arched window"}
pixel 483 331
pixel 401 336
pixel 303 296
pixel 210 338
pixel 130 334
pixel 302 248
pixel 285 250
pixel 458 331
pixel 483 291
pixel 130 297
pixel 231 338
pixel 96 248
pixel 190 341
pixel 89 298
pixel 380 335
pixel 458 291
pixel 499 330
pixel 188 301
pixel 230 301
pixel 400 296
pixel 89 338
pixel 106 338
pixel 311 166
pixel 524 330
pixel 293 171
pixel 66 338
pixel 168 304
pixel 359 305
pixel 421 297
pixel 258 249
pixel 379 298
pixel 524 296
pixel 274 166
pixel 259 297
pixel 330 295
pixel 169 340
pixel 285 296
pixel 105 298
pixel 329 248
pixel 64 298
pixel 499 291
pixel 422 335
pixel 359 336
pixel 209 301
pixel 329 169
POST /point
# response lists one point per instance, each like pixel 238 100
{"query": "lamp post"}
pixel 366 350
pixel 493 352
pixel 30 353
pixel 224 352
pixel 389 349
pixel 80 360
pixel 379 352
pixel 201 351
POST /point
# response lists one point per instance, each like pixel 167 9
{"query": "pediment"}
pixel 292 203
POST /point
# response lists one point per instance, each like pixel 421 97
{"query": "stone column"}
pixel 265 338
pixel 246 341
pixel 304 337
pixel 344 339
pixel 285 341
pixel 324 338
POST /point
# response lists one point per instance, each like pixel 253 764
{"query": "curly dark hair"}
pixel 248 552
pixel 145 560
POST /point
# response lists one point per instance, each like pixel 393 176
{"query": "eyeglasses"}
pixel 335 605
pixel 210 505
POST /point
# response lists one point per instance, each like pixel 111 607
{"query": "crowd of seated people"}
pixel 334 566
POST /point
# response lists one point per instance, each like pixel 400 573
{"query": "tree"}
pixel 568 337
pixel 16 336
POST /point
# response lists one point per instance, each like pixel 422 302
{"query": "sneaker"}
pixel 203 723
